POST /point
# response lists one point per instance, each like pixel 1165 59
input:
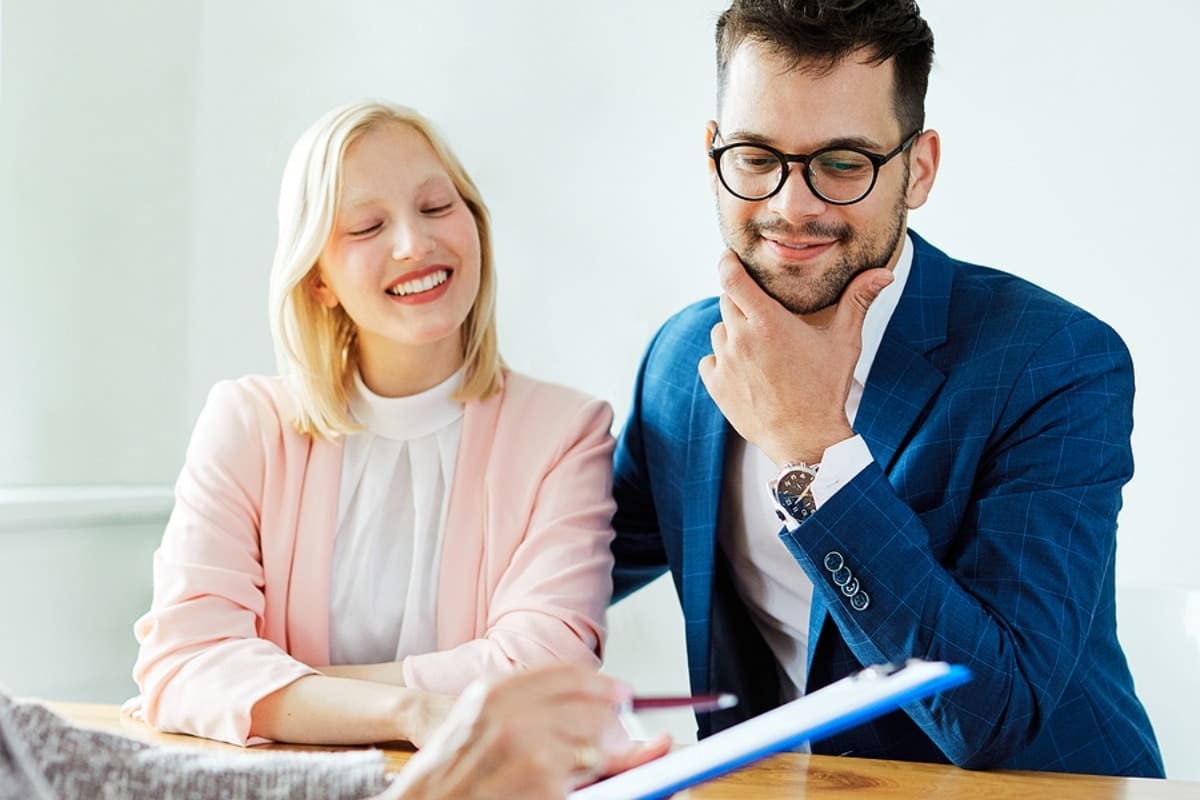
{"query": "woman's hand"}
pixel 537 734
pixel 429 713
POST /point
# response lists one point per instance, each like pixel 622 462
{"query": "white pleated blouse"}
pixel 396 478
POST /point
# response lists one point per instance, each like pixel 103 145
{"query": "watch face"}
pixel 791 492
pixel 795 481
pixel 799 507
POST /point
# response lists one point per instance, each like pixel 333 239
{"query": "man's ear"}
pixel 710 134
pixel 923 159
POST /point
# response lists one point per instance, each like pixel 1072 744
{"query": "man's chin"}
pixel 804 305
pixel 799 289
pixel 793 298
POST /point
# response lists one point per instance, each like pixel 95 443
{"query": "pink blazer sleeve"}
pixel 202 663
pixel 547 564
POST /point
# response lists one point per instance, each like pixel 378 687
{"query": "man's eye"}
pixel 755 161
pixel 367 230
pixel 841 163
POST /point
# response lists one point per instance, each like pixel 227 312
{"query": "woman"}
pixel 356 540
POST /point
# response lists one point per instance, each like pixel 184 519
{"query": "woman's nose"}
pixel 411 242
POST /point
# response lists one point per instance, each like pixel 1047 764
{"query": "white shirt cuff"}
pixel 840 464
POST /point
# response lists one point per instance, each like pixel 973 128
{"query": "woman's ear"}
pixel 320 290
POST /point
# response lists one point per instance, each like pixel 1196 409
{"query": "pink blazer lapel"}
pixel 312 558
pixel 461 616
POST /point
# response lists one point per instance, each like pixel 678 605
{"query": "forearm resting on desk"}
pixel 320 709
pixel 390 672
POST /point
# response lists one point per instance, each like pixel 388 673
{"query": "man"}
pixel 945 444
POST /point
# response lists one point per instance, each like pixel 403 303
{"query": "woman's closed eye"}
pixel 366 230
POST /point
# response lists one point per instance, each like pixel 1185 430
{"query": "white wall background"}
pixel 141 145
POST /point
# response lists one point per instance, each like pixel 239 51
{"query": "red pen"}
pixel 699 702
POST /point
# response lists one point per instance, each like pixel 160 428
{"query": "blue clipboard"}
pixel 860 697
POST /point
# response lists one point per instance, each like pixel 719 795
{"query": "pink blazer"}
pixel 241 580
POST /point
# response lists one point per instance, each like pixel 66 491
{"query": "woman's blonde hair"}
pixel 314 345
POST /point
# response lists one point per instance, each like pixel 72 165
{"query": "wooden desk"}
pixel 789 775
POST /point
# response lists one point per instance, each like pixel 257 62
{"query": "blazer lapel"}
pixel 902 381
pixel 312 559
pixel 703 462
pixel 460 614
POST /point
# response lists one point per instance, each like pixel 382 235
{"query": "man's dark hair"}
pixel 815 35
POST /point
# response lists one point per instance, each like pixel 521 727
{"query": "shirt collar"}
pixel 881 311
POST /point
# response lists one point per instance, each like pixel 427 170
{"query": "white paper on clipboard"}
pixel 865 695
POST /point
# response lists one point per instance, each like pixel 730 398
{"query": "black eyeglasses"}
pixel 838 175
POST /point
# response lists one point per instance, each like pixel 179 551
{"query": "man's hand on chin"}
pixel 780 379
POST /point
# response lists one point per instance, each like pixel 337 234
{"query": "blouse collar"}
pixel 407 418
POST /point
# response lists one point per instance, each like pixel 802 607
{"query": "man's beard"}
pixel 802 294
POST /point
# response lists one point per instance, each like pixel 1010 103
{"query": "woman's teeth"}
pixel 417 285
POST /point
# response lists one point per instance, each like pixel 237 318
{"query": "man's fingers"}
pixel 707 366
pixel 718 335
pixel 742 291
pixel 730 312
pixel 859 295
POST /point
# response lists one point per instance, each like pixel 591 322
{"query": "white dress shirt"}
pixel 776 590
pixel 396 479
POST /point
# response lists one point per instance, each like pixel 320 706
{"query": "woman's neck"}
pixel 400 372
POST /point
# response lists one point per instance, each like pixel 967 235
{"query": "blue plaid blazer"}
pixel 984 533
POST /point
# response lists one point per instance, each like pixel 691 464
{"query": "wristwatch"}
pixel 791 491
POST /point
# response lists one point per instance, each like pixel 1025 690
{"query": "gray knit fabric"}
pixel 45 757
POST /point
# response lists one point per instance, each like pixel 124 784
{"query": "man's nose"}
pixel 795 201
